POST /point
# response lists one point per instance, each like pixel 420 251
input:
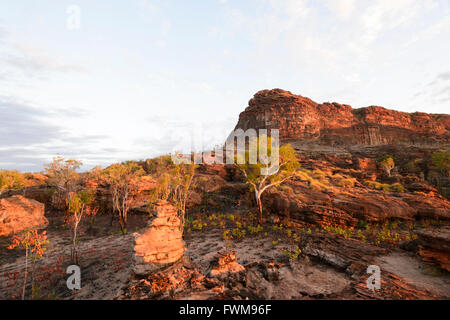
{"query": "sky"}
pixel 104 81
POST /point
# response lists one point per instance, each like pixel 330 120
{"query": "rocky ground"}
pixel 329 266
pixel 105 262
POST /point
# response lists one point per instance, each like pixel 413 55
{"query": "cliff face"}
pixel 334 124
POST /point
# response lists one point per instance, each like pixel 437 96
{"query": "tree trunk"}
pixel 26 274
pixel 123 224
pixel 32 277
pixel 259 204
pixel 74 244
pixel 112 218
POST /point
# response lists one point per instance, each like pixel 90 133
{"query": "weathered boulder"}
pixel 317 212
pixel 18 213
pixel 365 164
pixel 161 245
pixel 338 206
pixel 434 246
pixel 224 264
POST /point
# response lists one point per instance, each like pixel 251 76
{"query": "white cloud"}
pixel 32 59
pixel 341 8
pixel 385 15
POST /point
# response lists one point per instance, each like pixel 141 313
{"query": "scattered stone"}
pixel 224 264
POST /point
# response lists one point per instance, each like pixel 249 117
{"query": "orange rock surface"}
pixel 161 245
pixel 18 213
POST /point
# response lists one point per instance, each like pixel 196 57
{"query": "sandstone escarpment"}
pixel 336 124
pixel 18 213
pixel 161 244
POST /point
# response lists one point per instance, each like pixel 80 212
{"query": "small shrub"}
pixel 226 235
pixel 362 224
pixel 441 160
pixel 396 187
pixel 238 233
pixel 255 230
pixel 347 182
pixel 292 255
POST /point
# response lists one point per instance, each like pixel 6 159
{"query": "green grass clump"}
pixel 292 255
pixel 347 182
pixel 238 233
pixel 255 230
pixel 396 187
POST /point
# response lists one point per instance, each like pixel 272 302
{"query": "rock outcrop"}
pixel 337 124
pixel 435 246
pixel 18 213
pixel 161 244
pixel 224 264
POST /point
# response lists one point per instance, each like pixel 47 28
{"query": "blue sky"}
pixel 138 78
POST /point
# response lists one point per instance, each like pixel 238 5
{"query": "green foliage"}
pixel 361 235
pixel 226 235
pixel 34 244
pixel 441 159
pixel 80 204
pixel 238 233
pixel 387 163
pixel 37 295
pixel 289 233
pixel 261 175
pixel 173 182
pixel 63 174
pixel 122 179
pixel 317 185
pixel 277 227
pixel 413 166
pixel 346 232
pixel 317 173
pixel 396 187
pixel 80 200
pixel 362 224
pixel 11 179
pixel 292 255
pixel 255 230
pixel 347 182
pixel 198 224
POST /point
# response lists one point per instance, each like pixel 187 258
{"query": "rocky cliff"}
pixel 337 124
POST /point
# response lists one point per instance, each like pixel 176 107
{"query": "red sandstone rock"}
pixel 18 213
pixel 161 245
pixel 224 264
pixel 435 246
pixel 299 117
